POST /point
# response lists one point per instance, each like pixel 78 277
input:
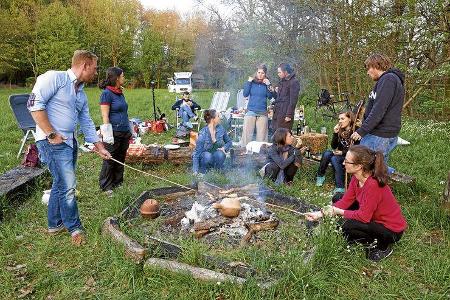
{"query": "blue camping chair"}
pixel 18 105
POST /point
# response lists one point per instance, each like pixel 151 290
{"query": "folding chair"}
pixel 177 116
pixel 219 102
pixel 18 105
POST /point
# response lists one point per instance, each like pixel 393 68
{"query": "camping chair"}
pixel 18 105
pixel 237 120
pixel 219 102
pixel 178 119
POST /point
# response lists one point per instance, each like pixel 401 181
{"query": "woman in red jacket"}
pixel 372 215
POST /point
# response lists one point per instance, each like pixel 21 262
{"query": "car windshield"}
pixel 183 81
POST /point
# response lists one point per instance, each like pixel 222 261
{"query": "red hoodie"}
pixel 376 204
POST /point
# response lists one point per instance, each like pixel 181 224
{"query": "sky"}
pixel 183 7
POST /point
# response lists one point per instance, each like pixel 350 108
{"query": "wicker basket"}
pixel 316 142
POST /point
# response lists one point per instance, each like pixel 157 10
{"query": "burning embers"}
pixel 233 215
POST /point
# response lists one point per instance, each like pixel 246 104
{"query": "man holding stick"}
pixel 57 104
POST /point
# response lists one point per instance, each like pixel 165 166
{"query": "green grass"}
pixel 418 269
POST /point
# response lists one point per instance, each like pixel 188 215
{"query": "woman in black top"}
pixel 340 143
pixel 283 159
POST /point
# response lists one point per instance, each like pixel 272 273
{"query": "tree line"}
pixel 326 41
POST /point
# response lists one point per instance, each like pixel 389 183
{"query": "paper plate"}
pixel 172 147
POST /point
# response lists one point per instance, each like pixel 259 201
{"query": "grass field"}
pixel 418 269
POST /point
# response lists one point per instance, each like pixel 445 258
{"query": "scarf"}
pixel 115 90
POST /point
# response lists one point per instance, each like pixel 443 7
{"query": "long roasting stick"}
pixel 186 187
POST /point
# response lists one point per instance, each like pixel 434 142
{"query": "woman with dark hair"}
pixel 283 160
pixel 257 88
pixel 115 129
pixel 372 215
pixel 212 144
pixel 340 143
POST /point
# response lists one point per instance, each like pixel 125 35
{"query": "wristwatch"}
pixel 51 135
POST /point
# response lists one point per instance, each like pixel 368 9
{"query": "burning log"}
pixel 200 229
pixel 258 226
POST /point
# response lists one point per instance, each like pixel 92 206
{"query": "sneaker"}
pixel 56 230
pixel 320 180
pixel 338 190
pixel 196 118
pixel 377 254
pixel 78 238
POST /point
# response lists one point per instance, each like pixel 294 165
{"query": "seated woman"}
pixel 257 88
pixel 340 143
pixel 283 160
pixel 372 215
pixel 212 144
pixel 186 109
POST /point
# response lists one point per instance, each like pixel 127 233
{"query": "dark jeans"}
pixel 111 174
pixel 272 171
pixel 365 233
pixel 336 162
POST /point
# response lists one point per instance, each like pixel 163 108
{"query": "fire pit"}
pixel 192 235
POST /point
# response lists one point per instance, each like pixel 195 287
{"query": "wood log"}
pixel 446 193
pixel 196 272
pixel 132 248
pixel 258 226
pixel 183 155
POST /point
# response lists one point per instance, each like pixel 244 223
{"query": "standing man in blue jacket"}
pixel 382 118
pixel 58 104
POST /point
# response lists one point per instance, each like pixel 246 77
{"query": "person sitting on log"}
pixel 340 143
pixel 371 214
pixel 186 109
pixel 212 144
pixel 283 160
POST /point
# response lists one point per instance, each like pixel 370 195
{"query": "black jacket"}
pixel 384 108
pixel 193 107
pixel 341 143
pixel 286 100
pixel 275 155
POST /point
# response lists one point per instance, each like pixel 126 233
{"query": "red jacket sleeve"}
pixel 349 196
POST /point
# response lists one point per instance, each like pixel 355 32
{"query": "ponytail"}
pixel 380 169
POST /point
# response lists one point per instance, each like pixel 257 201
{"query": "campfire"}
pixel 234 215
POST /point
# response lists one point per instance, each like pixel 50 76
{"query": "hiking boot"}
pixel 320 180
pixel 56 230
pixel 78 238
pixel 377 254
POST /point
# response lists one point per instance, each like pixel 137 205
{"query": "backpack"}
pixel 324 97
pixel 31 158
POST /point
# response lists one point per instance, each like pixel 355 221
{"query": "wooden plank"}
pixel 18 178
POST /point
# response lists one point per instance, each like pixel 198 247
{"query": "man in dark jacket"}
pixel 382 118
pixel 286 98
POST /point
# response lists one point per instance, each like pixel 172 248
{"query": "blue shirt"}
pixel 54 92
pixel 258 93
pixel 118 110
pixel 204 143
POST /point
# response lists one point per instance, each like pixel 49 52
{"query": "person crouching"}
pixel 283 160
pixel 372 215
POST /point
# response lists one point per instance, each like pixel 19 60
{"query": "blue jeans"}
pixel 185 113
pixel 62 205
pixel 211 160
pixel 336 161
pixel 385 145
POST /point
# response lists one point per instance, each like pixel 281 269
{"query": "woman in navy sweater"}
pixel 257 89
pixel 114 110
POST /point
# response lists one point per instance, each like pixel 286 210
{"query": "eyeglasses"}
pixel 349 163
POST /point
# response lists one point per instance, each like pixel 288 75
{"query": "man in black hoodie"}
pixel 382 118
